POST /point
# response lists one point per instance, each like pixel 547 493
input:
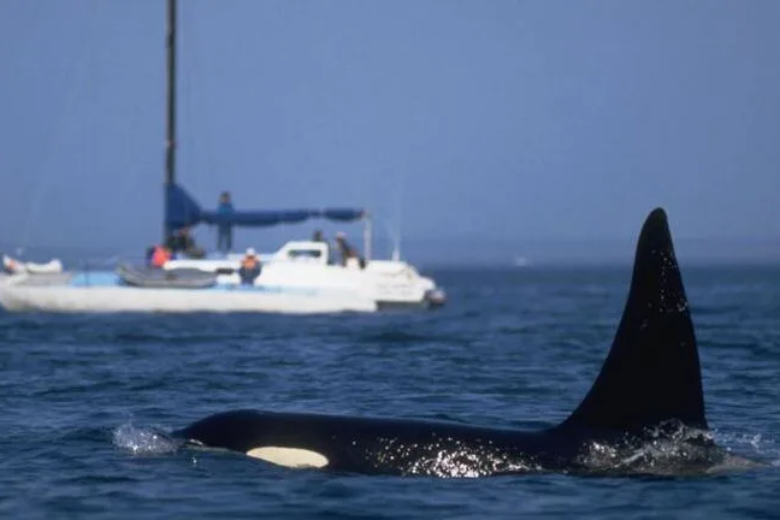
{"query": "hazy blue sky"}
pixel 512 120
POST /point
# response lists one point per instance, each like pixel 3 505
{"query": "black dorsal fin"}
pixel 652 372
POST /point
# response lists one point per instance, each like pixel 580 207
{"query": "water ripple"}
pixel 87 401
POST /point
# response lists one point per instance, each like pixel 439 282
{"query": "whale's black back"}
pixel 652 372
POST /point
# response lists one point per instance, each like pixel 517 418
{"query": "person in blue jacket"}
pixel 225 231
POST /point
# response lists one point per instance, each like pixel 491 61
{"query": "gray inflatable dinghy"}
pixel 149 277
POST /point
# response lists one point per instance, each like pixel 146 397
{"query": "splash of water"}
pixel 670 448
pixel 751 444
pixel 143 441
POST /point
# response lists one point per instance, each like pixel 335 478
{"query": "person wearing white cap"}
pixel 250 267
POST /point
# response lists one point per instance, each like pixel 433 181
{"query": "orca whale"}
pixel 645 412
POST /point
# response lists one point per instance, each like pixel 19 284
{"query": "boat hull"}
pixel 16 297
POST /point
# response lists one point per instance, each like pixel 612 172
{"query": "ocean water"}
pixel 82 396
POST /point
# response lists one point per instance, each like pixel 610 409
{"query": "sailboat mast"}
pixel 170 142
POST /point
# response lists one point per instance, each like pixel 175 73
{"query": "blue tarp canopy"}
pixel 181 211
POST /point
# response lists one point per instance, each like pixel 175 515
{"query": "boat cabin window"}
pixel 225 270
pixel 304 253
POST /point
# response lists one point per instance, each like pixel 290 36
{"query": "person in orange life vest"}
pixel 250 267
pixel 159 255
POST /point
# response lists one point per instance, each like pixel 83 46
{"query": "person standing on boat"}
pixel 225 231
pixel 347 251
pixel 250 267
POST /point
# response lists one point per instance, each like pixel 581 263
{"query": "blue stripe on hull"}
pixel 110 279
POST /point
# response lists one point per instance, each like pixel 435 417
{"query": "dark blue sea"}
pixel 81 398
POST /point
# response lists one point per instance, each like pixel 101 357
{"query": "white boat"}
pixel 301 277
pixel 298 279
